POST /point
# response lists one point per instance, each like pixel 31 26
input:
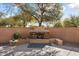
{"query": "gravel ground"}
pixel 46 50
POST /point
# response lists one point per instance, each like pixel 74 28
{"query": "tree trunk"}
pixel 42 12
pixel 40 24
pixel 24 23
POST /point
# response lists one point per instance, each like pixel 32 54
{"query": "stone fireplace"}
pixel 39 34
pixel 39 37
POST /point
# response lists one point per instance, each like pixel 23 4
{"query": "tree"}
pixel 2 14
pixel 75 20
pixel 10 22
pixel 42 12
pixel 23 19
pixel 67 23
pixel 72 21
pixel 3 23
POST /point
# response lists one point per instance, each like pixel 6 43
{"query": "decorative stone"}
pixel 23 50
pixel 13 42
pixel 42 53
pixel 27 53
pixel 59 41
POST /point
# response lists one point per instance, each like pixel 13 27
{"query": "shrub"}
pixel 58 25
pixel 16 35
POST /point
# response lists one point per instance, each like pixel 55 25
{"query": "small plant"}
pixel 16 35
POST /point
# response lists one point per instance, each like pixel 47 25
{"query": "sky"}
pixel 68 9
pixel 9 9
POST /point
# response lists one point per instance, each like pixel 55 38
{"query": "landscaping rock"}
pixel 47 50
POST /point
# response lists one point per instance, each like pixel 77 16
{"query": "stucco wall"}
pixel 66 34
pixel 7 33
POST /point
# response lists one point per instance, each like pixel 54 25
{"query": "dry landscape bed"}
pixel 47 50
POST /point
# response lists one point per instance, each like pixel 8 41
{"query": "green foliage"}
pixel 39 12
pixel 11 22
pixel 43 12
pixel 58 25
pixel 3 22
pixel 68 23
pixel 73 21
